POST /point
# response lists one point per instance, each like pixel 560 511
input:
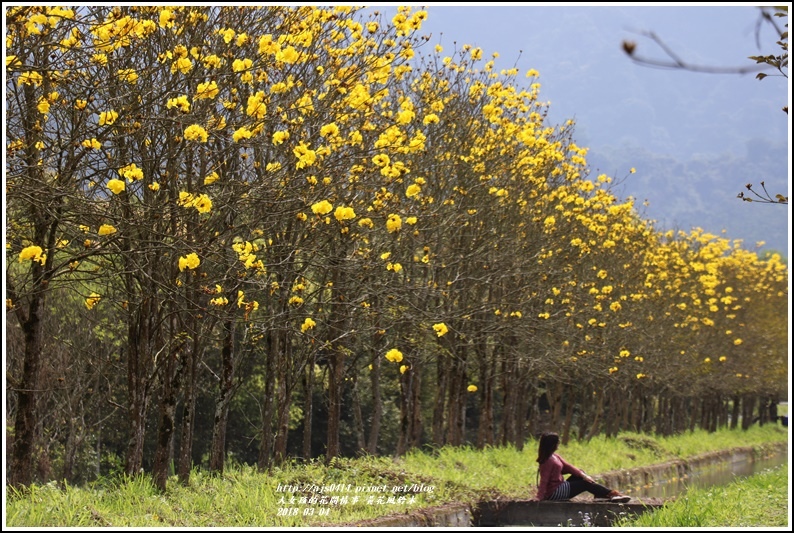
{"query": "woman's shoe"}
pixel 616 497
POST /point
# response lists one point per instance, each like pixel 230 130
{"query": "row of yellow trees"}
pixel 204 203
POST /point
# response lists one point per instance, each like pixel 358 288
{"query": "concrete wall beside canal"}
pixel 579 511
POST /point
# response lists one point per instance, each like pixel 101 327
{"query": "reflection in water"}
pixel 716 474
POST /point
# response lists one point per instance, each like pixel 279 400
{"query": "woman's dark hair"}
pixel 547 446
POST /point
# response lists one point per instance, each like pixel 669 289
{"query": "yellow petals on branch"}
pixel 207 89
pixel 440 329
pixel 393 223
pixel 190 261
pixel 308 324
pixel 107 118
pixel 32 253
pixel 92 300
pixel 131 172
pixel 180 102
pixel 128 75
pixel 106 229
pixel 344 213
pixel 194 132
pixel 182 65
pixel 256 106
pixel 404 369
pixel 280 136
pixel 306 157
pixel 30 78
pixel 91 144
pixel 394 355
pixel 209 179
pixel 322 207
pixel 241 133
pixel 472 388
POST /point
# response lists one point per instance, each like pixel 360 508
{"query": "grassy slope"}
pixel 244 497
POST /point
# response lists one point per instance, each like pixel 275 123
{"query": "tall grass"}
pixel 242 496
pixel 757 501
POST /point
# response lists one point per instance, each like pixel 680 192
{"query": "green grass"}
pixel 244 497
pixel 757 501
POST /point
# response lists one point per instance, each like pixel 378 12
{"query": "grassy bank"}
pixel 757 501
pixel 354 489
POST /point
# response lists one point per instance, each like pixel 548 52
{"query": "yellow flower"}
pixel 106 229
pixel 241 133
pixel 219 301
pixel 280 136
pixel 107 117
pixel 613 370
pixel 80 104
pixel 441 329
pixel 393 223
pixel 472 388
pixel 180 102
pixel 209 179
pixel 202 203
pixel 329 130
pixel 381 160
pixel 256 106
pixel 322 208
pixel 206 90
pixel 43 106
pixel 412 190
pixel 30 78
pixel 131 172
pixel 129 75
pixel 92 144
pixel 195 132
pixel 190 261
pixel 183 65
pixel 737 342
pixel 403 368
pixel 92 300
pixel 32 253
pixel 307 324
pixel 394 355
pixel 432 118
pixel 306 157
pixel 344 213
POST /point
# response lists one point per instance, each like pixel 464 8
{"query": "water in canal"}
pixel 716 474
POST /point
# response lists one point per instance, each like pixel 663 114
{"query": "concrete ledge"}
pixel 547 513
pixel 452 515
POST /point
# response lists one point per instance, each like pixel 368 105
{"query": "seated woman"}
pixel 552 486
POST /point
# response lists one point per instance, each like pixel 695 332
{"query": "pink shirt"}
pixel 551 472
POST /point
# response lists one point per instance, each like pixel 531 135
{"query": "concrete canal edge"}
pixel 576 512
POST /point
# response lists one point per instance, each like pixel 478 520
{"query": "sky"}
pixel 627 114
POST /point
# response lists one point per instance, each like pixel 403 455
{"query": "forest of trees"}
pixel 255 234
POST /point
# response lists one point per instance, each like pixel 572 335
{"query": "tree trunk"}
pixel 438 403
pixel 188 416
pixel 27 395
pixel 167 414
pixel 377 407
pixel 225 393
pixel 335 383
pixel 268 405
pixel 308 407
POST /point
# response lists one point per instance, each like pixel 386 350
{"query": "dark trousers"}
pixel 576 485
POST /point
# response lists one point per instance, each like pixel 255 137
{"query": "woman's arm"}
pixel 568 468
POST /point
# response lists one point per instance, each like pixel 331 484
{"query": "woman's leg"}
pixel 578 485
